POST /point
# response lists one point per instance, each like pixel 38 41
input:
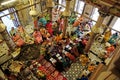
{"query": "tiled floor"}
pixel 74 71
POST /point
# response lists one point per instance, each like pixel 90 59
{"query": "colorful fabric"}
pixel 77 22
pixel 70 56
pixel 72 20
pixel 36 24
pixel 113 38
pixel 43 21
pixel 49 28
pixel 18 40
pixel 37 36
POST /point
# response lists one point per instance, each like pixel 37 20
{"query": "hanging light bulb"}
pixel 8 2
pixel 33 11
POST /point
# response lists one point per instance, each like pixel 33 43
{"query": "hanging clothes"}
pixel 49 28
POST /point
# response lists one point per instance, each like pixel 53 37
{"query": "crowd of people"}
pixel 60 51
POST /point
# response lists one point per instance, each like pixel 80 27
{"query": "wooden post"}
pixel 50 12
pixel 7 37
pixel 66 14
pixel 95 31
pixel 50 5
pixel 65 26
pixel 100 68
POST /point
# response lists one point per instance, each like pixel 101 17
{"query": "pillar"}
pixel 33 13
pixel 96 29
pixel 50 5
pixel 66 14
pixel 7 37
pixel 23 15
pixel 65 26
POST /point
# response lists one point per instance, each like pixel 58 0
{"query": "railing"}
pixel 62 6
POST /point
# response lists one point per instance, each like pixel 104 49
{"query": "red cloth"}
pixel 49 28
pixel 84 42
pixel 49 77
pixel 43 69
pixel 36 24
pixel 109 51
pixel 70 56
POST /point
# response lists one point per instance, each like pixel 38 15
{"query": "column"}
pixel 23 15
pixel 33 12
pixel 96 29
pixel 50 5
pixel 7 37
pixel 66 14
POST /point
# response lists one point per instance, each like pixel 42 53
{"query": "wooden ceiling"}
pixel 112 6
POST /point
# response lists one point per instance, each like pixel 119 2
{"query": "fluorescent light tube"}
pixel 8 2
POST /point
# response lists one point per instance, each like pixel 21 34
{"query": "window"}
pixel 79 6
pixel 95 14
pixel 62 2
pixel 93 22
pixel 6 20
pixel 116 26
